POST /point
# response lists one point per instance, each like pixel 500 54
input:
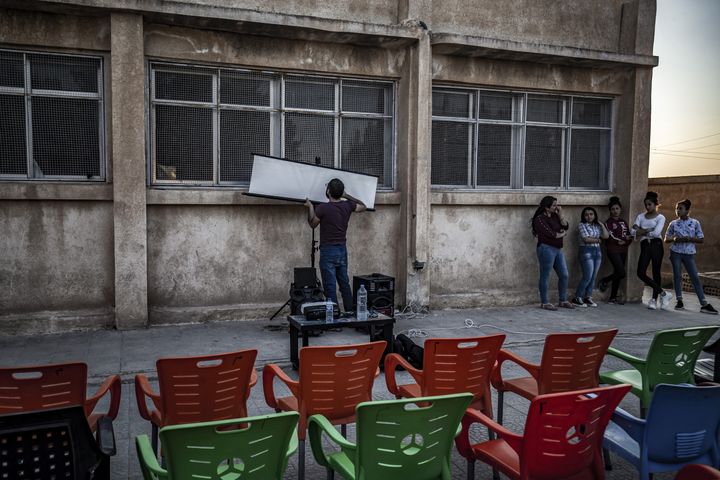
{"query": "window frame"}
pixel 519 123
pixel 28 93
pixel 277 111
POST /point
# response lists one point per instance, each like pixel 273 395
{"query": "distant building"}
pixel 127 130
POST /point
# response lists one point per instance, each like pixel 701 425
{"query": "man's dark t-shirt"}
pixel 334 218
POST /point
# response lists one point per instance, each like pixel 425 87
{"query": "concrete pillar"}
pixel 639 163
pixel 414 149
pixel 128 169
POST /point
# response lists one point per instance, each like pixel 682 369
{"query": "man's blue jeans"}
pixel 590 261
pixel 551 258
pixel 333 268
pixel 678 260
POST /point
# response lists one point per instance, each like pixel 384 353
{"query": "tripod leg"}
pixel 280 309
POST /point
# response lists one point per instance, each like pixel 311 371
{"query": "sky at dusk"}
pixel 685 135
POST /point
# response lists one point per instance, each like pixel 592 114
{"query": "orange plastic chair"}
pixel 195 389
pixel 333 381
pixel 450 365
pixel 43 387
pixel 562 438
pixel 570 361
pixel 698 472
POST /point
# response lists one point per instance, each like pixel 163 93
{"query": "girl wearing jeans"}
pixel 590 231
pixel 647 229
pixel 549 226
pixel 683 233
pixel 617 247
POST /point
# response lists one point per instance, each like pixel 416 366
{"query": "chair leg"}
pixel 301 460
pixel 491 434
pixel 330 474
pixel 343 430
pixel 471 470
pixel 154 438
pixel 606 459
pixel 501 396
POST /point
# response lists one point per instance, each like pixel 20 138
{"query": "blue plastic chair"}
pixel 681 428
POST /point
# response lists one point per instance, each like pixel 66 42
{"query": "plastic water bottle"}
pixel 329 312
pixel 362 312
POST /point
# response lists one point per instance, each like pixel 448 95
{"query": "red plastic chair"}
pixel 562 438
pixel 450 365
pixel 333 381
pixel 195 389
pixel 43 387
pixel 570 361
pixel 698 472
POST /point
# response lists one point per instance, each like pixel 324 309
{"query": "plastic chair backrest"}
pixel 53 443
pixel 683 422
pixel 256 449
pixel 333 380
pixel 564 431
pixel 571 361
pixel 205 388
pixel 455 365
pixel 399 439
pixel 673 353
pixel 41 387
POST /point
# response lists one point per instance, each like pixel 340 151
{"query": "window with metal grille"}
pixel 208 122
pixel 515 140
pixel 51 125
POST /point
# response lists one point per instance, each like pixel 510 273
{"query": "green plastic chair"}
pixel 670 359
pixel 408 438
pixel 245 448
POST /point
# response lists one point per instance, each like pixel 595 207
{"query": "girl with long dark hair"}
pixel 590 232
pixel 616 247
pixel 647 229
pixel 549 226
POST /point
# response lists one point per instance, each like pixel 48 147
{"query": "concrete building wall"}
pixel 702 190
pixel 178 254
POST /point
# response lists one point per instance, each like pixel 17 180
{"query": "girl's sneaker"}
pixel 589 302
pixel 577 301
pixel 665 300
pixel 679 305
pixel 652 304
pixel 707 308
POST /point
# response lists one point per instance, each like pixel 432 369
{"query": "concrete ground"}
pixel 131 352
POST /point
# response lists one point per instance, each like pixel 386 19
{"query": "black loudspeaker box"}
pixel 381 292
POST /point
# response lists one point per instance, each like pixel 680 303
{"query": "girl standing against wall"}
pixel 616 247
pixel 647 229
pixel 590 231
pixel 683 233
pixel 549 226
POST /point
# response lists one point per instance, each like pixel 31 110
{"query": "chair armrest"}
pixel 392 361
pixel 105 436
pixel 253 379
pixel 506 355
pixel 476 416
pixel 270 371
pixel 636 362
pixel 317 424
pixel 148 460
pixel 114 386
pixel 144 389
pixel 635 427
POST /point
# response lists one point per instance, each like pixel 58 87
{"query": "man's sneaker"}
pixel 602 286
pixel 652 304
pixel 665 300
pixel 707 308
pixel 577 301
pixel 589 302
pixel 679 305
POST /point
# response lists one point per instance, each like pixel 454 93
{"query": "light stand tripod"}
pixel 313 248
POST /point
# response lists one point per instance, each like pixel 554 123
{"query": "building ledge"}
pixel 215 196
pixel 56 191
pixel 519 198
pixel 471 46
pixel 684 180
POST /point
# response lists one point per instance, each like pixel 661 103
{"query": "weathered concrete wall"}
pixel 55 256
pixel 585 23
pixel 702 190
pixel 228 261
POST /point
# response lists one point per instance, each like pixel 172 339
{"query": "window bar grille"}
pixel 28 119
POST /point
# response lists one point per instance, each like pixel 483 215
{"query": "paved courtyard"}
pixel 131 352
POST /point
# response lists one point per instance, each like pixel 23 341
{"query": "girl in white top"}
pixel 647 229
